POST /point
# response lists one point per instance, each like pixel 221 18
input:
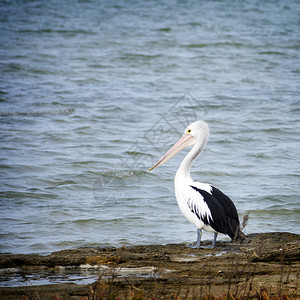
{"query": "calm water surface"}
pixel 93 92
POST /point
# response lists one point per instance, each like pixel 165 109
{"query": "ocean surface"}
pixel 92 93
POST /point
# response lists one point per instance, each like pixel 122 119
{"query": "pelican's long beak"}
pixel 186 140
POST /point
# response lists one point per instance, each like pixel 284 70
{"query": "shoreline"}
pixel 267 263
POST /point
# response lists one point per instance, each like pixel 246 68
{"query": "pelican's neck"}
pixel 183 173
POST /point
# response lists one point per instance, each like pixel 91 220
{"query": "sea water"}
pixel 92 93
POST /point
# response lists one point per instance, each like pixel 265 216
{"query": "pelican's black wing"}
pixel 224 214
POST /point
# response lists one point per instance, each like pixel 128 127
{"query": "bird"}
pixel 202 204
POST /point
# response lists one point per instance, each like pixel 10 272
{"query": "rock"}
pixel 268 262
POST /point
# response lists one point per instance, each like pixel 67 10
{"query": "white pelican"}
pixel 201 203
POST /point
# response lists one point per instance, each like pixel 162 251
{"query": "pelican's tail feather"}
pixel 239 236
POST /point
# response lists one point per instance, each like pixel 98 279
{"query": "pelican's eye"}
pixel 189 131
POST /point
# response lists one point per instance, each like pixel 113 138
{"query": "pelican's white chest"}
pixel 190 202
pixel 183 193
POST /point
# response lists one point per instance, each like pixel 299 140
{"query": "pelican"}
pixel 202 204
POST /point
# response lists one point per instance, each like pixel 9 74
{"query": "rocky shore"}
pixel 267 265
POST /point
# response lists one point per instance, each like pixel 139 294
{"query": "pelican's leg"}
pixel 198 242
pixel 199 235
pixel 215 239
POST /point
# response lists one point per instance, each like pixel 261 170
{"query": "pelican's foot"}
pixel 194 245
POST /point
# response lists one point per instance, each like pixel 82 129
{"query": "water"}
pixel 93 92
pixel 84 274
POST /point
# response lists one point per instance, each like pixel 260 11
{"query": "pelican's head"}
pixel 196 132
